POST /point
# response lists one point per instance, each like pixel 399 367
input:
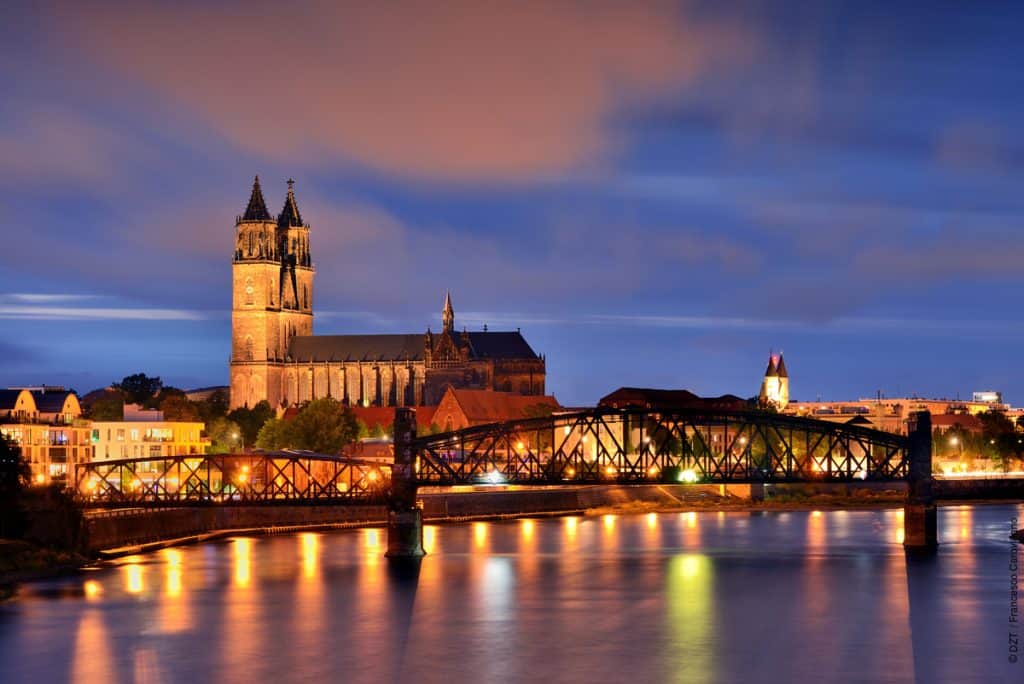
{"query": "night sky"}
pixel 657 194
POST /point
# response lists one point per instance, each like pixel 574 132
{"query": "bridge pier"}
pixel 405 519
pixel 920 528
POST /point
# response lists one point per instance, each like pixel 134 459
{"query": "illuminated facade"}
pixel 276 357
pixel 146 433
pixel 46 425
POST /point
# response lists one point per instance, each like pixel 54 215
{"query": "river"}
pixel 808 596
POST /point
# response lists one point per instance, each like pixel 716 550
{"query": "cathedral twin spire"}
pixel 257 208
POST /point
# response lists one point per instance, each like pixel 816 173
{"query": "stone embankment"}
pixel 135 530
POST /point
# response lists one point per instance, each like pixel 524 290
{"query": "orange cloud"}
pixel 464 91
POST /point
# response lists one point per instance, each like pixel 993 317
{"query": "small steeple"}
pixel 772 371
pixel 448 314
pixel 257 209
pixel 780 367
pixel 290 216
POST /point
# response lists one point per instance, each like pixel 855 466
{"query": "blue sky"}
pixel 657 194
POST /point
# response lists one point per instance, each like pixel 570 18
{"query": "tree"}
pixel 139 388
pixel 178 407
pixel 107 408
pixel 221 432
pixel 250 420
pixel 214 406
pixel 14 477
pixel 322 425
pixel 274 435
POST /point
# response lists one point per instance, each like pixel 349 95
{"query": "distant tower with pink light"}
pixel 775 385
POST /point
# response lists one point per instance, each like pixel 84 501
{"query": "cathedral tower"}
pixel 272 296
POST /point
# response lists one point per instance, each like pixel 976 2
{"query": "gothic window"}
pixel 305 297
pixel 249 292
pixel 247 351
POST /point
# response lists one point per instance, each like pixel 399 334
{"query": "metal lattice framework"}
pixel 599 445
pixel 638 445
pixel 279 476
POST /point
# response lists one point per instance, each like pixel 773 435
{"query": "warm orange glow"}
pixel 652 520
pixel 245 469
pixel 371 539
pixel 243 570
pixel 653 471
pixel 609 521
pixel 570 472
pixel 372 476
pixel 92 589
pixel 691 520
pixel 519 446
pixel 479 534
pixel 242 477
pixel 571 524
pixel 527 528
pixel 310 553
pixel 40 478
pixel 133 581
pixel 173 558
pixel 610 471
pixel 429 538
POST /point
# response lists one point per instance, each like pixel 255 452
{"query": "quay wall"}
pixel 105 530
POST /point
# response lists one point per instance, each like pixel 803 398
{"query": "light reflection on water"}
pixel 694 597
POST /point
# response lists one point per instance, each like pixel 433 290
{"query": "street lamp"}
pixel 239 438
pixel 957 442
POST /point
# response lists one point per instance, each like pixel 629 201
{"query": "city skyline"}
pixel 696 188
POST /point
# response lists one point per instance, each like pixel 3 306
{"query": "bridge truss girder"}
pixel 281 477
pixel 636 445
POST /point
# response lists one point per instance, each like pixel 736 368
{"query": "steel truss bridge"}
pixel 600 445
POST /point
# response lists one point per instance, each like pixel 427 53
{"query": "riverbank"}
pixel 21 561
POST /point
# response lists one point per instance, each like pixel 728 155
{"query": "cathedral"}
pixel 275 355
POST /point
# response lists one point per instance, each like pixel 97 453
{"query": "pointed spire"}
pixel 780 367
pixel 290 216
pixel 257 209
pixel 772 370
pixel 448 314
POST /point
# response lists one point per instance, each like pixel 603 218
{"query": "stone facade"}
pixel 276 357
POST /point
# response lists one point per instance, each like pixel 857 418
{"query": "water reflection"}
pixel 133 578
pixel 242 548
pixel 691 619
pixel 802 596
pixel 175 615
pixel 92 660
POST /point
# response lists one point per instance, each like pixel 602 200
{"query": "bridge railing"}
pixel 651 445
pixel 260 477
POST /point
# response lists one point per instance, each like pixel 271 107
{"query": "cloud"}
pixel 60 307
pixel 458 90
pixel 33 298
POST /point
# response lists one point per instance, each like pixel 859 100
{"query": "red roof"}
pixel 644 397
pixel 487 406
pixel 962 420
